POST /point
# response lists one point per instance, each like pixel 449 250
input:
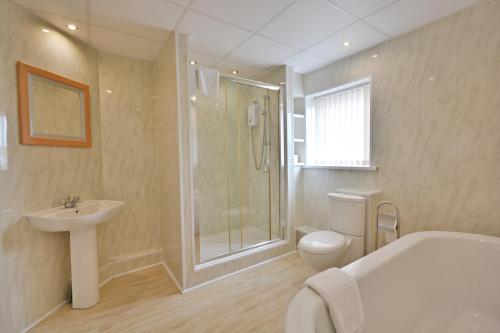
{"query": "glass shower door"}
pixel 235 169
pixel 230 92
pixel 253 109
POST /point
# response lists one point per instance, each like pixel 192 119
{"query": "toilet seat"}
pixel 322 242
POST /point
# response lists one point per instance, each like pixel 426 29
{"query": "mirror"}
pixel 53 110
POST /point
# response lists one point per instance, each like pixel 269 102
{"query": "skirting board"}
pixel 128 272
pixel 39 320
pixel 187 290
pixel 125 263
pixel 169 272
pixel 183 291
pixel 237 272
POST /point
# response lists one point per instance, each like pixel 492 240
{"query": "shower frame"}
pixel 283 205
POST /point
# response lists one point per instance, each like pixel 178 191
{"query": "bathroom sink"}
pixel 84 215
pixel 81 223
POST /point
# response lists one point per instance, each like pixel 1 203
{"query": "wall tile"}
pixel 435 126
pixel 37 177
pixel 129 156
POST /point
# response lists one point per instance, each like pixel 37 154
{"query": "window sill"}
pixel 333 167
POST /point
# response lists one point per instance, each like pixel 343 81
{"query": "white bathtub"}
pixel 425 282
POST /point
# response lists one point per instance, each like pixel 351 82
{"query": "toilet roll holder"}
pixel 387 222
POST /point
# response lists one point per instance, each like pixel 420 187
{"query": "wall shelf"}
pixel 299 131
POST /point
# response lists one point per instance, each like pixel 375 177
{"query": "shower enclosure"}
pixel 235 168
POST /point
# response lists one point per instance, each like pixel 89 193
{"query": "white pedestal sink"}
pixel 81 223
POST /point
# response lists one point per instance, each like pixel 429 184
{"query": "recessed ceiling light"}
pixel 192 62
pixel 347 44
pixel 72 27
pixel 45 30
pixel 234 71
pixel 432 78
pixel 109 91
pixel 375 56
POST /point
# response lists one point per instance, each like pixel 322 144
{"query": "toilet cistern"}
pixel 343 242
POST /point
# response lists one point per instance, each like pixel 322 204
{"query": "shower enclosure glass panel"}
pixel 235 169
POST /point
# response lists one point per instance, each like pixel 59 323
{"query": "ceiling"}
pixel 250 36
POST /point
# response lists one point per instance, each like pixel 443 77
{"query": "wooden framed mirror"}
pixel 53 110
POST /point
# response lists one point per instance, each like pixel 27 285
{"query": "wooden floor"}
pixel 148 301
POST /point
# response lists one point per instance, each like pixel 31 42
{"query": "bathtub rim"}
pixel 364 266
pixel 298 318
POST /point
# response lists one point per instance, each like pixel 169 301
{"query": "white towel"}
pixel 208 81
pixel 340 292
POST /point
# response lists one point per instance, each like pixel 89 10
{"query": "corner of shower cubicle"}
pixel 197 272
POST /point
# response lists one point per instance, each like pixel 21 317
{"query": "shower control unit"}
pixel 254 114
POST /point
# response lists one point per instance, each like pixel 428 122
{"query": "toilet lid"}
pixel 322 242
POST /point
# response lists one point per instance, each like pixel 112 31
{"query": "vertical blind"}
pixel 338 128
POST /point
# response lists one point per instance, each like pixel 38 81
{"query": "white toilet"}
pixel 344 242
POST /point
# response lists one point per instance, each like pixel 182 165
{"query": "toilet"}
pixel 344 241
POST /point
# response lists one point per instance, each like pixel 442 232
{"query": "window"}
pixel 338 126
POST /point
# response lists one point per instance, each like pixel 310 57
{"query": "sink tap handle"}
pixel 69 202
pixel 75 200
pixel 65 200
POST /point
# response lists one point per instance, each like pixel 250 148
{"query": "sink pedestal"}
pixel 84 273
pixel 81 222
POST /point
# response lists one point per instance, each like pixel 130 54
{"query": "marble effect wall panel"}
pixel 129 159
pixel 435 112
pixel 37 263
pixel 168 133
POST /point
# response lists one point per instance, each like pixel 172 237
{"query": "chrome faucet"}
pixel 70 202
